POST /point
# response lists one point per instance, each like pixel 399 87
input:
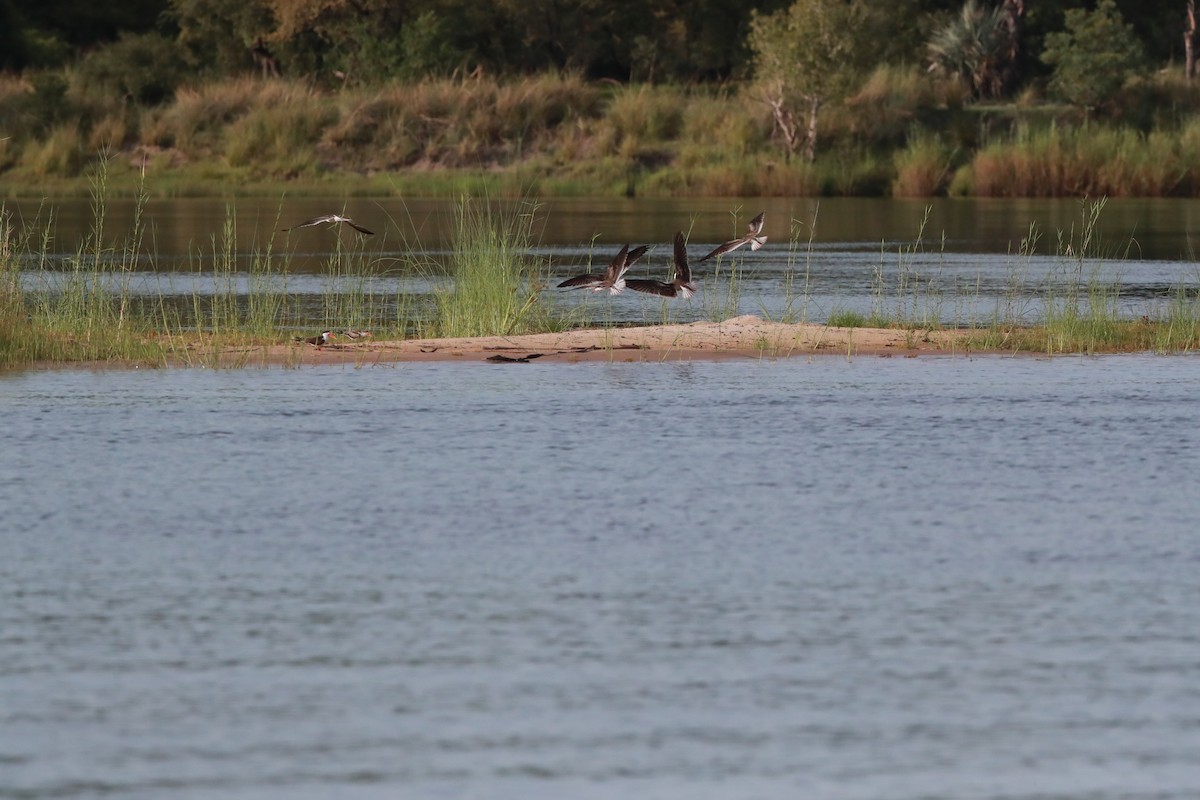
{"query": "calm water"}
pixel 947 261
pixel 882 578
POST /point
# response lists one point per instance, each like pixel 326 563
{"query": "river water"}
pixel 939 262
pixel 866 579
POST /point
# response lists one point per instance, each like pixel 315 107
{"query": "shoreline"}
pixel 740 337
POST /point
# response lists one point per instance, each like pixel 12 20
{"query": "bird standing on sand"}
pixel 351 333
pixel 323 338
pixel 330 218
pixel 752 237
pixel 680 286
pixel 614 277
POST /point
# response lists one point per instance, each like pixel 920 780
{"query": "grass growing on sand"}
pixel 85 310
pixel 105 302
pixel 102 302
pixel 1080 306
pixel 495 283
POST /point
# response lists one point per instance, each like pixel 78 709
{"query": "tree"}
pixel 218 36
pixel 814 53
pixel 143 67
pixel 1189 42
pixel 1093 57
pixel 975 45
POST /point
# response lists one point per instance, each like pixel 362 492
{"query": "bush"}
pixel 923 167
pixel 145 67
pixel 1093 57
pixel 888 103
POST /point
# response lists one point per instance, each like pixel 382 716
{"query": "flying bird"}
pixel 680 286
pixel 613 278
pixel 331 218
pixel 752 237
pixel 324 337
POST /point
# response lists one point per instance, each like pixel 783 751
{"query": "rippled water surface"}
pixel 878 578
pixel 932 261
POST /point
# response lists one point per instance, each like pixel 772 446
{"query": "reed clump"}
pixel 495 284
pixel 1088 162
pixel 924 167
pixel 81 310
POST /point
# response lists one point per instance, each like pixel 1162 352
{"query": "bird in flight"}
pixel 680 286
pixel 613 278
pixel 753 237
pixel 331 218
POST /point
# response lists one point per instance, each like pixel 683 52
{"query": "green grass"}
pixel 561 135
pixel 846 319
pixel 87 308
pixel 495 284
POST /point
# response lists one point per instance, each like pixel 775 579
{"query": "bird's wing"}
pixel 617 268
pixel 580 282
pixel 732 244
pixel 756 225
pixel 358 227
pixel 651 287
pixel 683 272
pixel 310 222
pixel 635 254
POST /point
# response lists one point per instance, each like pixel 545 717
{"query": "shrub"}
pixel 888 103
pixel 923 167
pixel 60 154
pixel 144 67
pixel 1094 56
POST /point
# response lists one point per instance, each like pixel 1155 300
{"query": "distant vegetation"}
pixel 683 97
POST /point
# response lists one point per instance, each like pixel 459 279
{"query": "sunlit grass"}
pixel 568 136
pixel 91 305
pixel 495 283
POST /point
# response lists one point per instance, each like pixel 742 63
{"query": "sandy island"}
pixel 741 337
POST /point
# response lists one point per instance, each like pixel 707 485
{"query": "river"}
pixel 864 579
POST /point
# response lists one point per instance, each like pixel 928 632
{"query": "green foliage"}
pixel 217 35
pixel 1094 56
pixel 143 67
pixel 278 139
pixel 495 284
pixel 42 109
pixel 810 54
pixel 973 46
pixel 59 154
pixel 923 168
pixel 1095 161
pixel 1163 100
pixel 813 49
pixel 892 99
pixel 427 47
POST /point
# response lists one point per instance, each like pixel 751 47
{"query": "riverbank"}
pixel 741 337
pixel 562 136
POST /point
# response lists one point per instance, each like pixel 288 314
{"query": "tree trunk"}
pixel 1015 23
pixel 1189 42
pixel 810 137
pixel 785 120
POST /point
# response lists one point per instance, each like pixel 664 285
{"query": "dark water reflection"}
pixel 884 578
pixel 1152 229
